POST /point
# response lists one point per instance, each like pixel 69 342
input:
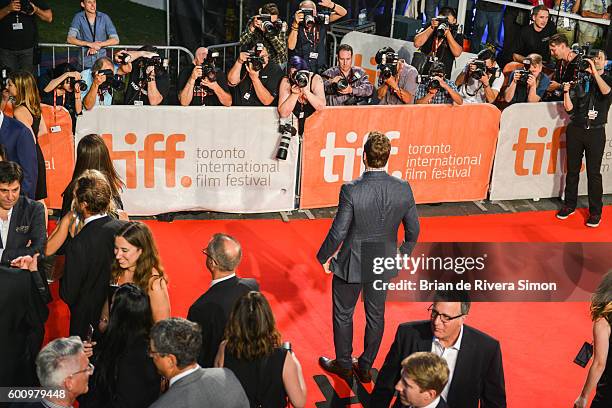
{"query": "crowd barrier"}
pixel 218 159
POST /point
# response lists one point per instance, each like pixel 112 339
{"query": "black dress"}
pixel 261 379
pixel 603 395
pixel 41 181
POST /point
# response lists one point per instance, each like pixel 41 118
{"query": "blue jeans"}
pixel 431 5
pixel 493 20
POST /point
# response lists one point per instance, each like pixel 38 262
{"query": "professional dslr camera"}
pixel 255 59
pixel 523 72
pixel 156 62
pixel 482 69
pixel 386 60
pixel 287 131
pixel 73 82
pixel 344 82
pixel 300 78
pixel 269 26
pixel 112 81
pixel 311 20
pixel 209 69
pixel 26 7
pixel 583 54
pixel 433 80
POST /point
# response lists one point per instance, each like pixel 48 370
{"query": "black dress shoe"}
pixel 331 366
pixel 362 374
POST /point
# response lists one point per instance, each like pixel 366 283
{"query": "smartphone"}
pixel 89 334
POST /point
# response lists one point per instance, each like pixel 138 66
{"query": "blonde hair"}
pixel 27 93
pixel 427 370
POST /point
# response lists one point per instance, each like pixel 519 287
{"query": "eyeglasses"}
pixel 152 353
pixel 89 370
pixel 205 252
pixel 443 317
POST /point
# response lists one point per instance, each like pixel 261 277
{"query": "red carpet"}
pixel 539 340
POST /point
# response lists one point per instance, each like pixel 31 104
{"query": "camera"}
pixel 156 62
pixel 583 54
pixel 432 82
pixel 287 131
pixel 73 82
pixel 344 83
pixel 112 81
pixel 123 58
pixel 209 69
pixel 269 26
pixel 300 78
pixel 310 19
pixel 387 60
pixel 255 59
pixel 524 72
pixel 443 25
pixel 26 7
pixel 482 69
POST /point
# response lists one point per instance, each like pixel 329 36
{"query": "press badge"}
pixel 566 22
pixel 301 115
pixel 314 55
pixel 247 96
pixel 17 26
pixel 138 103
pixel 592 114
pixel 56 129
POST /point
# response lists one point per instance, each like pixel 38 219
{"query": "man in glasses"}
pixel 474 359
pixel 212 309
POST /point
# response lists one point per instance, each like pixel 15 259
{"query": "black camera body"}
pixel 209 68
pixel 387 65
pixel 344 83
pixel 524 72
pixel 583 54
pixel 112 81
pixel 255 59
pixel 26 7
pixel 431 81
pixel 269 26
pixel 300 78
pixel 481 68
pixel 443 25
pixel 287 131
pixel 124 58
pixel 156 62
pixel 311 20
pixel 73 82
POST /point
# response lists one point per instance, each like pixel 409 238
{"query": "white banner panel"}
pixel 365 47
pixel 193 158
pixel 530 157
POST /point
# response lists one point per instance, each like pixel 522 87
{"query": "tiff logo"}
pixel 349 155
pixel 538 151
pixel 156 147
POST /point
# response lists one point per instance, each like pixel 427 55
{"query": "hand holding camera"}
pixel 530 81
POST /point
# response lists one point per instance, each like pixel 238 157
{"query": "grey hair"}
pixel 179 337
pixel 57 360
pixel 216 248
pixel 454 296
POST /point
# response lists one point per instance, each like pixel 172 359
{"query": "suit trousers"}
pixel 592 142
pixel 344 298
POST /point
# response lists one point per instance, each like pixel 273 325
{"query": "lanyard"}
pixel 315 39
pixel 92 30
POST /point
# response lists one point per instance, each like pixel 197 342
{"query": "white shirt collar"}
pixel 93 218
pixel 434 403
pixel 375 169
pixel 457 345
pixel 215 281
pixel 183 374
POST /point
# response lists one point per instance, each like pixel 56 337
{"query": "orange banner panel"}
pixel 445 152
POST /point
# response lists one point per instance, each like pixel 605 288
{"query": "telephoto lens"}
pixel 287 132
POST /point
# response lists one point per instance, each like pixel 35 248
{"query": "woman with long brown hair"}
pixel 252 349
pixel 27 110
pixel 600 372
pixel 137 262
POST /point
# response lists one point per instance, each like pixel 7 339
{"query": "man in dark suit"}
pixel 424 376
pixel 370 211
pixel 211 311
pixel 22 221
pixel 18 142
pixel 174 347
pixel 87 272
pixel 474 358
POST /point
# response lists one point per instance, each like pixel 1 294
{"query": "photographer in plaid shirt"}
pixel 268 29
pixel 436 89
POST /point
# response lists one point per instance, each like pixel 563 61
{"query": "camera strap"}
pixel 92 29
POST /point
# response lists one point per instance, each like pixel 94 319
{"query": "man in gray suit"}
pixel 370 211
pixel 174 346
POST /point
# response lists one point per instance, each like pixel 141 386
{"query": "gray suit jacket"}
pixel 370 211
pixel 206 387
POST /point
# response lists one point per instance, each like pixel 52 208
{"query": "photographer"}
pixel 18 31
pixel 587 103
pixel 308 35
pixel 268 29
pixel 481 80
pixel 437 89
pixel 346 84
pixel 527 84
pixel 148 83
pixel 254 78
pixel 198 89
pixel 440 39
pixel 565 68
pixel 63 87
pixel 301 92
pixel 397 79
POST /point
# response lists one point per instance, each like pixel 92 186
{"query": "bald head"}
pixel 225 252
pixel 200 55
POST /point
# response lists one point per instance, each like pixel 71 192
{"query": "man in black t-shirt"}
pixel 588 103
pixel 255 85
pixel 446 47
pixel 18 32
pixel 534 37
pixel 149 82
pixel 197 89
pixel 565 67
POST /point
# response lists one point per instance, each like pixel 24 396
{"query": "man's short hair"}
pixel 179 337
pixel 486 54
pixel 345 47
pixel 269 8
pixel 10 172
pixel 57 360
pixel 537 9
pixel 93 188
pixel 461 296
pixel 558 39
pixel 428 370
pixel 304 2
pixel 217 250
pixel 448 11
pixel 377 149
pixel 97 66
